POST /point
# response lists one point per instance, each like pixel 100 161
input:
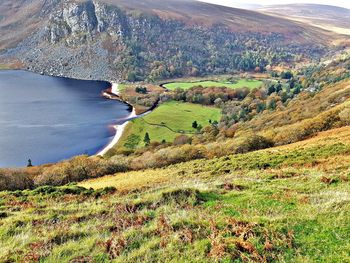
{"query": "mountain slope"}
pixel 266 206
pixel 327 17
pixel 135 40
pixel 20 18
pixel 193 12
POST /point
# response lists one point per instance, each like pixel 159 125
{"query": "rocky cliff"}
pixel 92 39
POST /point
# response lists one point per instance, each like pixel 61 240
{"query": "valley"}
pixel 174 131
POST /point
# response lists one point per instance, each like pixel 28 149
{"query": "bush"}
pixel 182 140
pixel 15 180
pixel 141 90
pixel 167 156
pixel 344 116
pixel 182 197
pixel 78 169
pixel 254 143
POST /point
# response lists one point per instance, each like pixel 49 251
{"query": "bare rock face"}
pixel 112 21
pixel 77 23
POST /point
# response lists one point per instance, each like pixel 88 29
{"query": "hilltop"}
pixel 332 18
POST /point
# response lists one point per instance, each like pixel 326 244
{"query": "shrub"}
pixel 78 169
pixel 182 197
pixel 167 156
pixel 344 116
pixel 15 180
pixel 182 140
pixel 254 143
pixel 141 90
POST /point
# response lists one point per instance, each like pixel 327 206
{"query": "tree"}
pixel 195 125
pixel 286 75
pixel 218 102
pixel 147 139
pixel 271 89
pixel 271 104
pixel 29 163
pixel 131 76
pixel 278 87
pixel 141 90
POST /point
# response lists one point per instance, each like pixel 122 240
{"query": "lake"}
pixel 48 119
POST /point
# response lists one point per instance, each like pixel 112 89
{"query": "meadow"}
pixel 241 83
pixel 167 121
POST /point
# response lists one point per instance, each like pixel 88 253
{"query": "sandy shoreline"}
pixel 119 129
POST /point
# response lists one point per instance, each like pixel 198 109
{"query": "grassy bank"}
pixel 241 83
pixel 168 121
pixel 4 67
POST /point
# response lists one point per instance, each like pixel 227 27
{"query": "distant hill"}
pixel 328 17
pixel 137 40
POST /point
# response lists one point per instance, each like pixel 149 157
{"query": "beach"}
pixel 119 129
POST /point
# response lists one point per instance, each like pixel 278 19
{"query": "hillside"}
pixel 286 204
pixel 138 40
pixel 327 17
pixel 243 157
pixel 19 19
pixel 199 13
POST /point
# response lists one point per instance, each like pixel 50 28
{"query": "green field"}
pixel 242 83
pixel 168 121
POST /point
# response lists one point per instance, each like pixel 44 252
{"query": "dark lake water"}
pixel 48 119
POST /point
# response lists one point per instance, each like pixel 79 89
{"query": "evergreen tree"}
pixel 195 125
pixel 147 139
pixel 29 163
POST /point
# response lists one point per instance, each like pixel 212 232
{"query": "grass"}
pixel 168 121
pixel 274 205
pixel 241 83
pixel 4 67
pixel 327 151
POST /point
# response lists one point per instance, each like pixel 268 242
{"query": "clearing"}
pixel 241 83
pixel 168 121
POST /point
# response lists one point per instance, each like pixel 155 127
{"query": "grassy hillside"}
pixel 289 204
pixel 327 17
pixel 24 16
pixel 166 122
pixel 196 12
pixel 242 83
